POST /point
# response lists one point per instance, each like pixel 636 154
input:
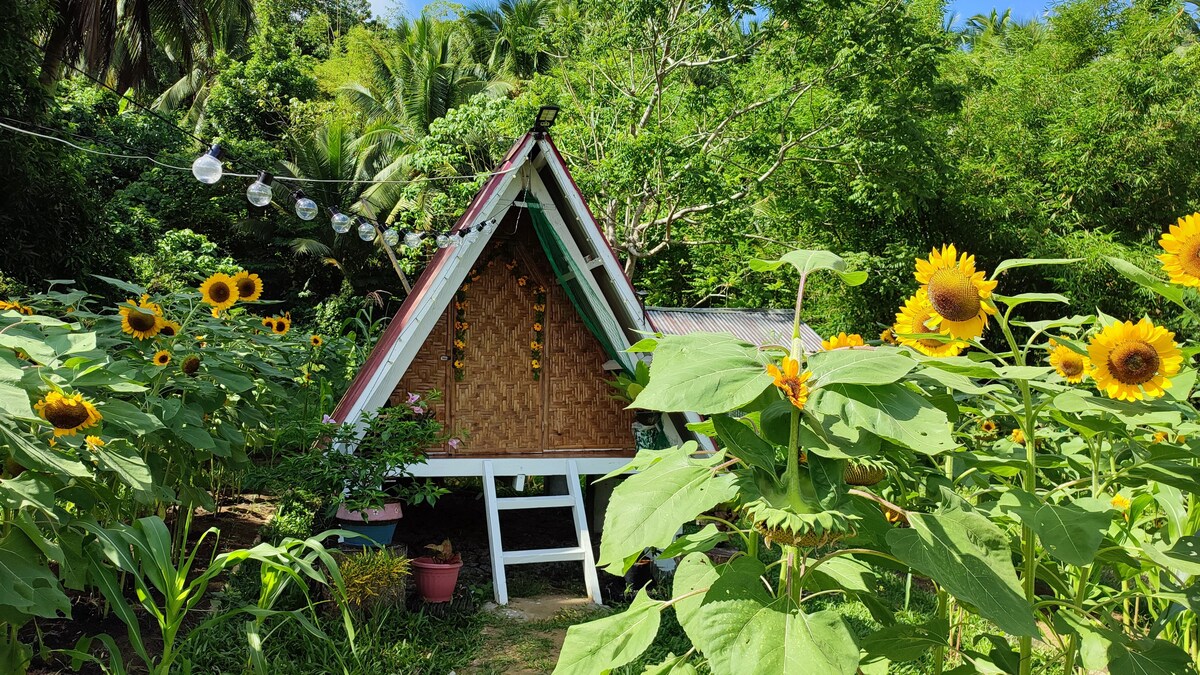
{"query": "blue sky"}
pixel 1021 9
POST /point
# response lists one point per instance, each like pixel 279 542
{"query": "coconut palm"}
pixel 507 37
pixel 118 39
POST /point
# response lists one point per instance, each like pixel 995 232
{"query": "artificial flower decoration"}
pixel 1071 365
pixel 1181 261
pixel 142 319
pixel 957 292
pixel 790 381
pixel 535 364
pixel 67 414
pixel 161 358
pixel 915 318
pixel 537 327
pixel 249 286
pixel 458 365
pixel 316 341
pixel 169 328
pixel 1134 361
pixel 219 291
pixel 842 341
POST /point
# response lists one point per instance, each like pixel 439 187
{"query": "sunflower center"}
pixel 219 292
pixel 1189 257
pixel 953 295
pixel 1133 362
pixel 141 321
pixel 245 287
pixel 1072 366
pixel 65 414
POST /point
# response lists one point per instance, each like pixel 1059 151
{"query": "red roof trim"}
pixel 421 289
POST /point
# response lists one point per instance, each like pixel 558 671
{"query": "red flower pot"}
pixel 435 580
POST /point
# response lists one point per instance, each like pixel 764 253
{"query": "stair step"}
pixel 537 555
pixel 543 502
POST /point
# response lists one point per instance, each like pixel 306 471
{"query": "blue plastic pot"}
pixel 376 530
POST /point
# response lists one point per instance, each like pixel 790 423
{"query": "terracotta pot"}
pixel 435 580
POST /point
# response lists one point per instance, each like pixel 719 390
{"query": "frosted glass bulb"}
pixel 306 209
pixel 207 168
pixel 472 235
pixel 259 193
pixel 412 239
pixel 443 240
pixel 391 237
pixel 366 231
pixel 340 222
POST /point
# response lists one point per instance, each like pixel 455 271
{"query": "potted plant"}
pixel 647 431
pixel 359 473
pixel 436 574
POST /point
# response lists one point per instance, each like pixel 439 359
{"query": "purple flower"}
pixel 418 410
pixel 454 443
pixel 328 419
pixel 413 398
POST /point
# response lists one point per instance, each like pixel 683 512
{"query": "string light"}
pixel 259 192
pixel 339 220
pixel 391 237
pixel 413 239
pixel 207 168
pixel 306 209
pixel 443 240
pixel 366 229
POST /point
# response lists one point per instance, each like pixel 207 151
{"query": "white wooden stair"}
pixel 573 500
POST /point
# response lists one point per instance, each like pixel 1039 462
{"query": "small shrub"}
pixel 375 579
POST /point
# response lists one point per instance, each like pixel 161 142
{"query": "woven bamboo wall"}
pixel 497 404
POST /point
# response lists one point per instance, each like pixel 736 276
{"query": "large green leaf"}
pixel 1132 414
pixel 906 642
pixel 968 555
pixel 29 588
pixel 704 373
pixel 806 262
pixel 893 412
pixel 744 444
pixel 694 574
pixel 1182 557
pixel 858 366
pixel 705 540
pixel 601 645
pixel 1013 263
pixel 1146 280
pixel 15 402
pixel 35 455
pixel 130 417
pixel 1103 649
pixel 1071 532
pixel 647 509
pixel 1177 474
pixel 120 457
pixel 742 630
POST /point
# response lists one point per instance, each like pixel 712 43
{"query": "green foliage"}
pixel 374 579
pixel 178 257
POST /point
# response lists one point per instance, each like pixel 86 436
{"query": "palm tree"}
pixel 118 39
pixel 422 78
pixel 506 38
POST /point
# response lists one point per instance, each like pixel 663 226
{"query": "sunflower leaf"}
pixel 1148 281
pixel 704 373
pixel 1013 263
pixel 137 291
pixel 811 261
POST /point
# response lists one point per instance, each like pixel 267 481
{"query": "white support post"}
pixel 590 577
pixel 499 585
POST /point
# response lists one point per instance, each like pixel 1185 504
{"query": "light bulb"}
pixel 306 209
pixel 489 225
pixel 339 221
pixel 443 240
pixel 391 237
pixel 471 236
pixel 259 193
pixel 412 239
pixel 366 230
pixel 207 168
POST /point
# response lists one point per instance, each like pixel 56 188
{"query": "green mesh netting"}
pixel 570 276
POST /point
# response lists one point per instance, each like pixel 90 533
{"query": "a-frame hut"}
pixel 520 326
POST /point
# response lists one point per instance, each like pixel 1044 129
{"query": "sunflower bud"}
pixel 191 364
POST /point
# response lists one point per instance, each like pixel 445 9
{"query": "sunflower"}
pixel 1120 502
pixel 191 364
pixel 1017 436
pixel 1070 365
pixel 987 426
pixel 790 380
pixel 841 340
pixel 914 318
pixel 94 441
pixel 219 291
pixel 161 358
pixel 269 322
pixel 1160 437
pixel 16 307
pixel 1181 439
pixel 170 328
pixel 1181 261
pixel 141 319
pixel 67 414
pixel 283 324
pixel 1133 361
pixel 248 286
pixel 888 336
pixel 957 292
pixel 316 341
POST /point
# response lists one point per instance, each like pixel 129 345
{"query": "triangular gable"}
pixel 604 291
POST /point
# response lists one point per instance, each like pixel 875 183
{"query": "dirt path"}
pixel 525 637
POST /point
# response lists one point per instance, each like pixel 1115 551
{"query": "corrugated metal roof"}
pixel 757 326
